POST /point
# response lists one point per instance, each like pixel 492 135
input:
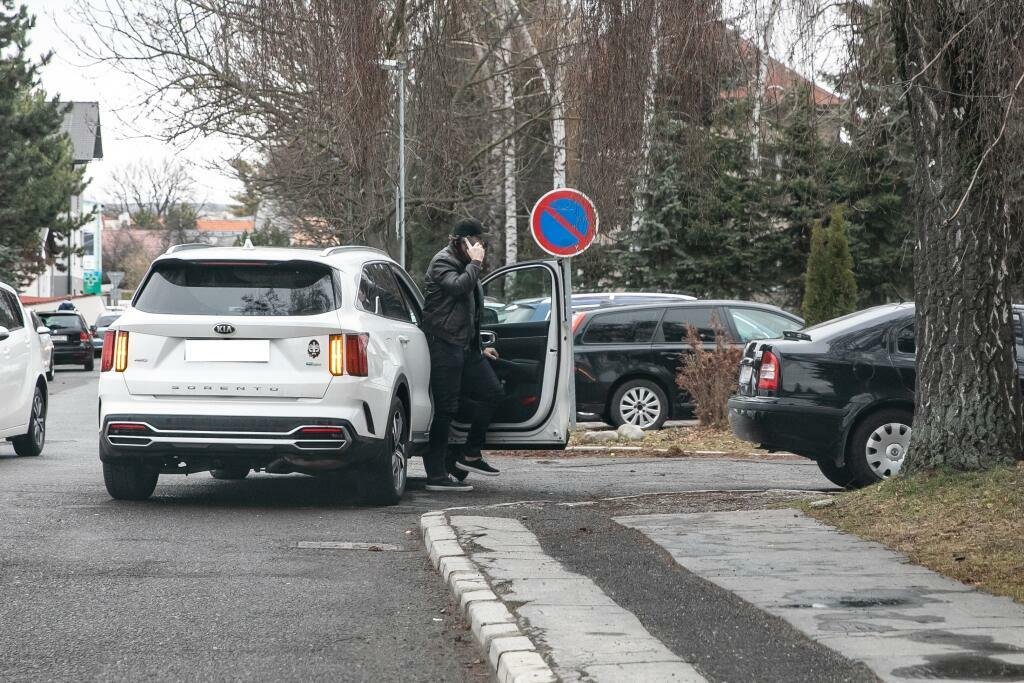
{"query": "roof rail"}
pixel 352 247
pixel 190 245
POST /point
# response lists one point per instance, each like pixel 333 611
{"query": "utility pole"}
pixel 399 68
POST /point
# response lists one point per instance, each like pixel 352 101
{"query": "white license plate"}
pixel 227 350
pixel 745 372
pixel 59 338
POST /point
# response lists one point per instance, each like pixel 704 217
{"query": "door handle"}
pixel 403 339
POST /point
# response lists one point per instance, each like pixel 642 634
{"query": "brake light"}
pixel 84 337
pixel 336 354
pixel 126 428
pixel 577 318
pixel 107 359
pixel 323 432
pixel 121 351
pixel 355 355
pixel 768 377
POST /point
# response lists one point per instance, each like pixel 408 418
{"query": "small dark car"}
pixel 72 341
pixel 627 357
pixel 99 328
pixel 840 393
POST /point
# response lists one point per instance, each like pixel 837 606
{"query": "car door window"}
pixel 378 282
pixel 673 327
pixel 752 323
pixel 6 317
pixel 12 317
pixel 906 343
pixel 626 327
pixel 411 304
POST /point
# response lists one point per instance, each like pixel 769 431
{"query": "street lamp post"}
pixel 399 68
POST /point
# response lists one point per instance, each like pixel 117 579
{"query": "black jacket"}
pixel 453 300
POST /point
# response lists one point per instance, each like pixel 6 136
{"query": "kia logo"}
pixel 224 328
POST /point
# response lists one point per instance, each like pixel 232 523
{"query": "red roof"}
pixel 27 300
pixel 779 81
pixel 238 225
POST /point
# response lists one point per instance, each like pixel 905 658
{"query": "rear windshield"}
pixel 63 321
pixel 238 288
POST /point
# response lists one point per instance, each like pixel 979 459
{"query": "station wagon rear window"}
pixel 239 288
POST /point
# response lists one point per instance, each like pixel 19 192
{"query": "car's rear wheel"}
pixel 639 402
pixel 90 364
pixel 130 480
pixel 31 444
pixel 386 473
pixel 840 476
pixel 234 472
pixel 878 446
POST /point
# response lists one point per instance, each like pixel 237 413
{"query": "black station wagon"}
pixel 840 393
pixel 627 357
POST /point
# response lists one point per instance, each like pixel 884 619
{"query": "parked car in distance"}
pixel 46 345
pixel 72 341
pixel 539 308
pixel 627 357
pixel 22 378
pixel 99 328
pixel 234 359
pixel 840 393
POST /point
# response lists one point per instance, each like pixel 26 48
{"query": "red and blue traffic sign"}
pixel 564 222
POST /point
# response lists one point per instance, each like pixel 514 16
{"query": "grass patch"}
pixel 964 525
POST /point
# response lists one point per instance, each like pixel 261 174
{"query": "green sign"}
pixel 91 282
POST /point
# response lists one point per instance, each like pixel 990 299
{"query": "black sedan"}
pixel 840 393
pixel 627 357
pixel 72 341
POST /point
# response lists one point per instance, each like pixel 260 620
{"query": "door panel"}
pixel 535 357
pixel 670 345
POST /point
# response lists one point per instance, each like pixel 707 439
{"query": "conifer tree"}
pixel 830 289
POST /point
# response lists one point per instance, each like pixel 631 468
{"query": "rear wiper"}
pixel 796 336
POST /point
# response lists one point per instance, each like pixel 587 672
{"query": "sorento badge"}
pixel 224 328
pixel 314 349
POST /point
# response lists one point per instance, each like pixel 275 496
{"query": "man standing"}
pixel 458 367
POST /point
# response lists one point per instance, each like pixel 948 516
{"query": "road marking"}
pixel 346 545
pixel 856 597
pixel 587 636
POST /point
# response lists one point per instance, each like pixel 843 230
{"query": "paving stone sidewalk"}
pixel 856 597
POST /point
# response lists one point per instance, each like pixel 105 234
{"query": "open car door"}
pixel 526 314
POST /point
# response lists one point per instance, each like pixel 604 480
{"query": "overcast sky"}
pixel 71 77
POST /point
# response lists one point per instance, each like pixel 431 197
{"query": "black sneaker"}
pixel 478 466
pixel 446 484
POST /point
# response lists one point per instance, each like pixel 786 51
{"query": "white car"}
pixel 234 359
pixel 46 344
pixel 22 378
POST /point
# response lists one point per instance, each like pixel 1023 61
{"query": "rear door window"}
pixel 673 327
pixel 10 311
pixel 753 323
pixel 63 321
pixel 239 288
pixel 627 327
pixel 378 283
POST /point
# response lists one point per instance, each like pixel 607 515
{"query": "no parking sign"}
pixel 564 222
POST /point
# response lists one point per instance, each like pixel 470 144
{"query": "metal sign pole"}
pixel 566 264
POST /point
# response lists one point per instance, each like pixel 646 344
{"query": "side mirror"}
pixel 43 329
pixel 4 333
pixel 489 316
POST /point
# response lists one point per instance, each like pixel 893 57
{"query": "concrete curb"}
pixel 510 653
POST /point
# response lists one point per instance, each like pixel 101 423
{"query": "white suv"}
pixel 234 359
pixel 22 378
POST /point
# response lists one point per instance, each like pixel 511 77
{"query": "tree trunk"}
pixel 509 153
pixel 647 131
pixel 763 56
pixel 968 404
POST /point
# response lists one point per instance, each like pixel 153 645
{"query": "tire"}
pixel 130 480
pixel 30 445
pixel 386 474
pixel 840 476
pixel 233 473
pixel 90 364
pixel 639 402
pixel 878 446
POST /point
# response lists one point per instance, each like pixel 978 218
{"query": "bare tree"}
pixel 148 191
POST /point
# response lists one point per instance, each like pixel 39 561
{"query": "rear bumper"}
pixel 194 442
pixel 80 354
pixel 798 427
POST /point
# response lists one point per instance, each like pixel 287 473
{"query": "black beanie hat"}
pixel 468 227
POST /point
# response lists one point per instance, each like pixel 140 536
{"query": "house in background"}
pixel 82 125
pixel 222 232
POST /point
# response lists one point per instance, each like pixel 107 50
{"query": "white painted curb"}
pixel 511 654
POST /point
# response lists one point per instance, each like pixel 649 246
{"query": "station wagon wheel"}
pixel 878 447
pixel 639 402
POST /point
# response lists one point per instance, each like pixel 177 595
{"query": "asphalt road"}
pixel 205 581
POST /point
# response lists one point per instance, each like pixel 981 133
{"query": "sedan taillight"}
pixel 768 377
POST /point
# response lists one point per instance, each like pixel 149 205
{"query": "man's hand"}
pixel 491 353
pixel 475 251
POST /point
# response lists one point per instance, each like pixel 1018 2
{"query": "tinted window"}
pixel 105 320
pixel 629 327
pixel 411 302
pixel 905 341
pixel 10 311
pixel 673 327
pixel 63 321
pixel 753 323
pixel 241 288
pixel 379 282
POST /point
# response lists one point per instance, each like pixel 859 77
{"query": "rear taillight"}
pixel 336 354
pixel 768 377
pixel 127 429
pixel 577 318
pixel 107 359
pixel 323 432
pixel 121 351
pixel 355 355
pixel 84 337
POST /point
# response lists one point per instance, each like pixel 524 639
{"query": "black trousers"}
pixel 459 377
